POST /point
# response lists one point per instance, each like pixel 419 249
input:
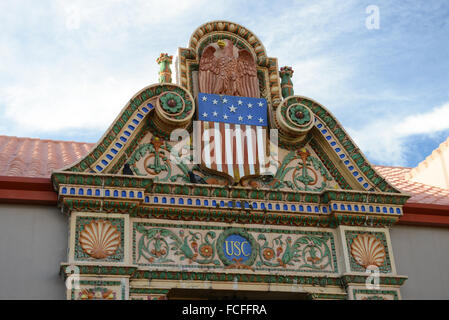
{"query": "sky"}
pixel 67 68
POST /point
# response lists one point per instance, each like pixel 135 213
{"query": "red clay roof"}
pixel 29 157
pixel 420 192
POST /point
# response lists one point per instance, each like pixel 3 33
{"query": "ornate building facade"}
pixel 298 215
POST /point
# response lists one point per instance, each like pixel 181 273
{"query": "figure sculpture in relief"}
pixel 224 69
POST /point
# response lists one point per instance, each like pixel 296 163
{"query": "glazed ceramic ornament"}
pixel 99 239
pixel 368 251
pixel 225 69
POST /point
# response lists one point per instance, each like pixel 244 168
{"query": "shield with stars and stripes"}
pixel 233 133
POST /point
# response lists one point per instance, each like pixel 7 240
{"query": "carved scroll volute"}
pixel 174 108
pixel 294 120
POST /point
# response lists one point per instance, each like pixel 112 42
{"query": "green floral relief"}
pixel 201 247
pixel 311 251
pixel 299 170
pixel 158 160
pixel 157 245
pixel 171 103
pixel 299 114
pixel 161 159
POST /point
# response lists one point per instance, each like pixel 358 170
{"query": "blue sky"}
pixel 67 68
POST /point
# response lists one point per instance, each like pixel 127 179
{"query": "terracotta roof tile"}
pixel 420 192
pixel 29 157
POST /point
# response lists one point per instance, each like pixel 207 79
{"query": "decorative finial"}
pixel 164 62
pixel 286 74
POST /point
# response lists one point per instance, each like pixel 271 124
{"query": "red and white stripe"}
pixel 237 150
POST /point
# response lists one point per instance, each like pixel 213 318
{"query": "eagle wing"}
pixel 248 84
pixel 209 70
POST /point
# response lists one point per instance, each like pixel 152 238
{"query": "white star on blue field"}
pixel 67 68
pixel 231 109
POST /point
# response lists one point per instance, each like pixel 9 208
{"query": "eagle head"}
pixel 221 43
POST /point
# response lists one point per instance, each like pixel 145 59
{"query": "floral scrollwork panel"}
pixel 311 252
pixel 299 170
pixel 219 247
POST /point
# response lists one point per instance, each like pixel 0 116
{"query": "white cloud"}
pixel 425 123
pixel 320 78
pixel 81 102
pixel 383 141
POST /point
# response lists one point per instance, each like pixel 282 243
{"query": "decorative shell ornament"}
pixel 368 251
pixel 99 239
